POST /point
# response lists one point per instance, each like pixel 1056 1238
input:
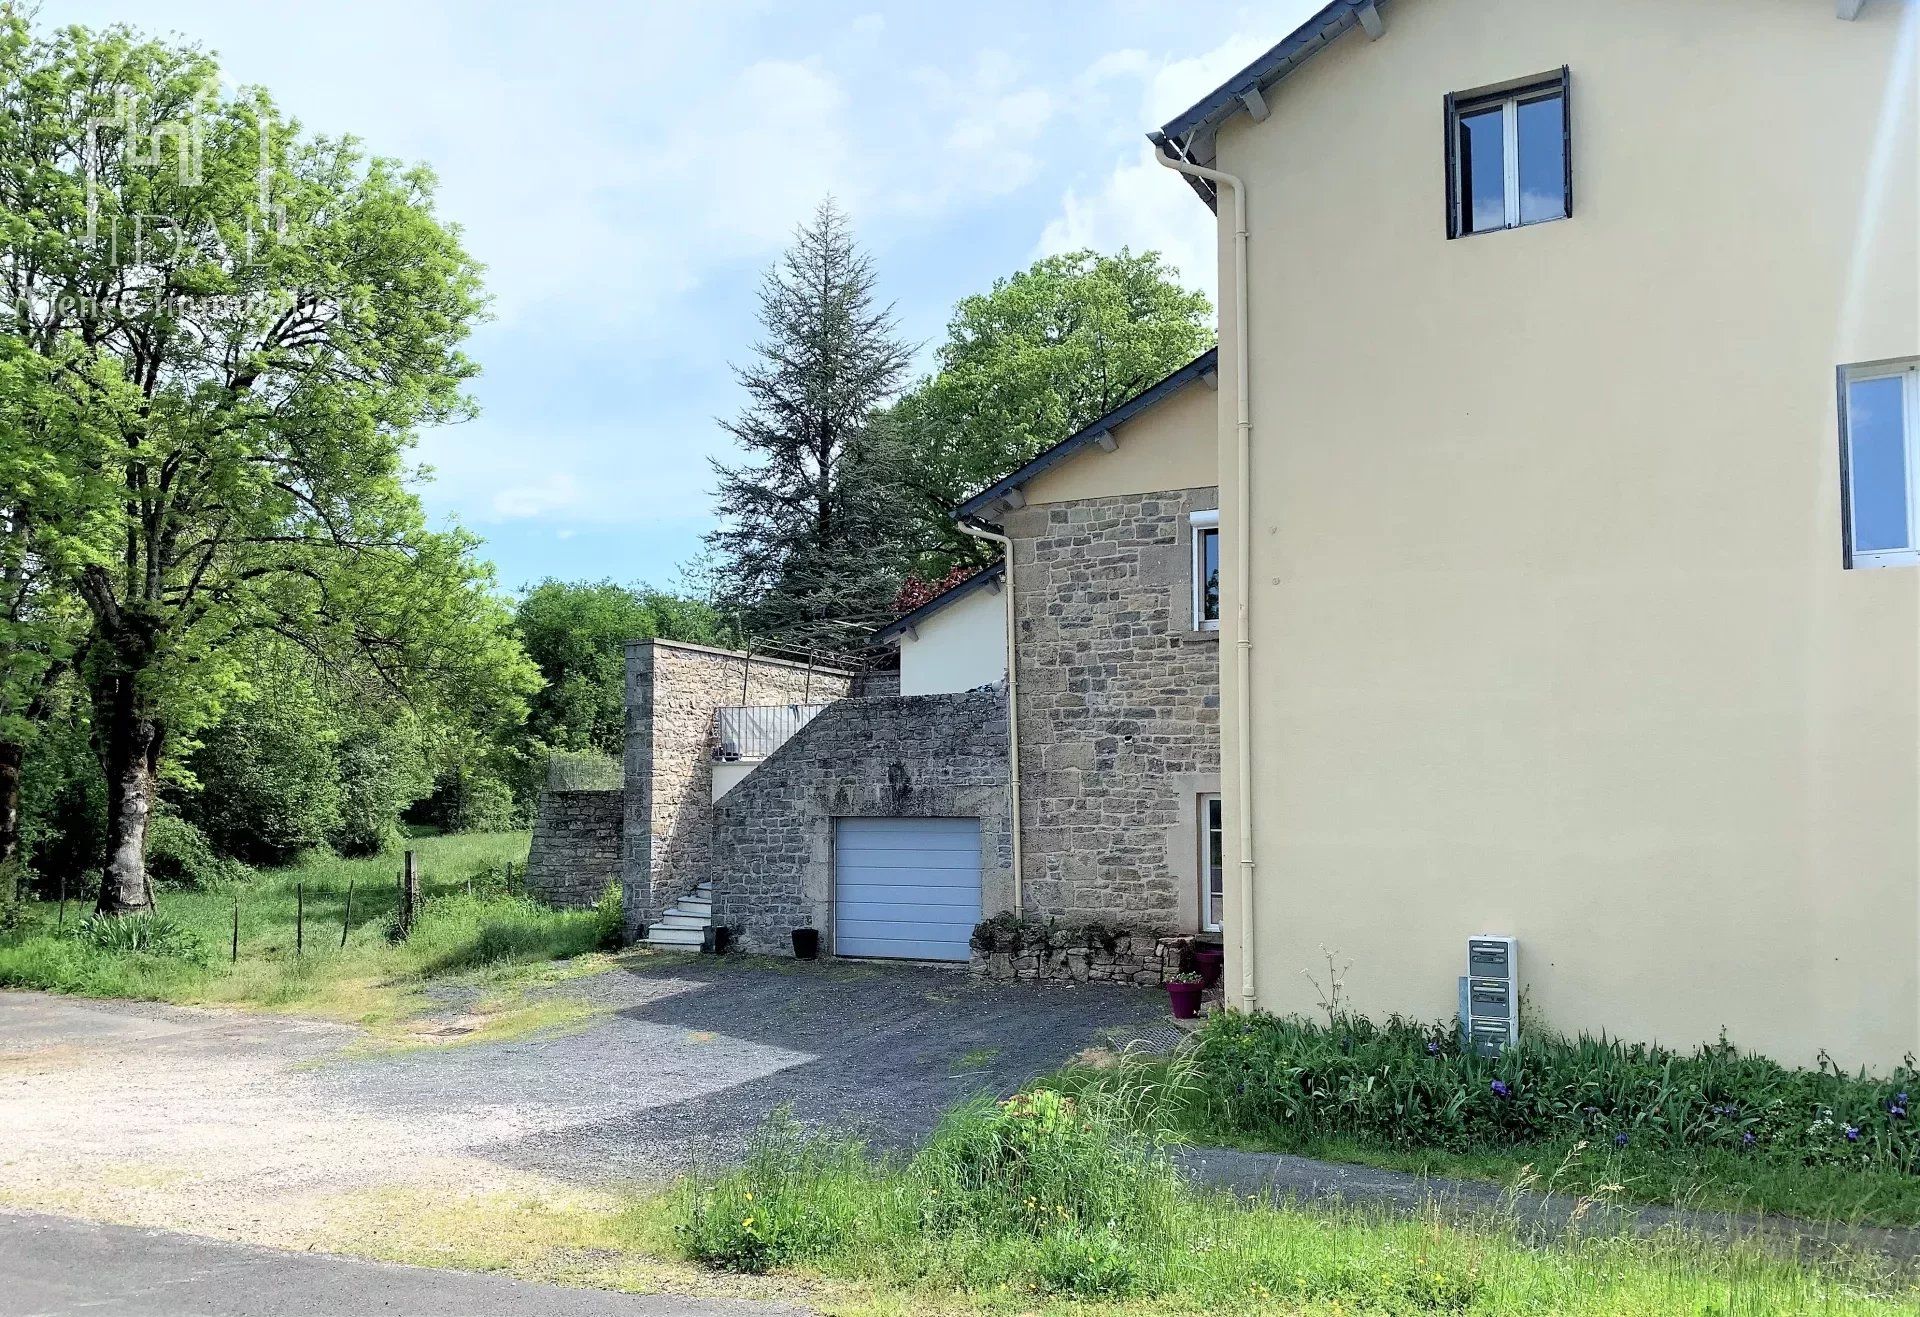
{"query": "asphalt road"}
pixel 50 1266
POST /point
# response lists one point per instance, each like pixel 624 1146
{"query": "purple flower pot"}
pixel 1208 962
pixel 1185 1000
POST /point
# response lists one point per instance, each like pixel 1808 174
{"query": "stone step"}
pixel 674 919
pixel 674 937
pixel 688 905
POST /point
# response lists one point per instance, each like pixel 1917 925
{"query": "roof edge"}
pixel 1126 411
pixel 953 594
pixel 1189 134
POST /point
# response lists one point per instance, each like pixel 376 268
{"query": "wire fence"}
pixel 583 770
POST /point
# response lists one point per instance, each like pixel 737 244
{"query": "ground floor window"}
pixel 1212 870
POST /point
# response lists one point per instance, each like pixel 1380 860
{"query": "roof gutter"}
pixel 1242 556
pixel 969 526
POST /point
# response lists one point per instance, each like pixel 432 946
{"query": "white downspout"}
pixel 1243 557
pixel 1013 698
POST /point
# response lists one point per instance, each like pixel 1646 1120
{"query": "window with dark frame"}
pixel 1509 156
pixel 1206 570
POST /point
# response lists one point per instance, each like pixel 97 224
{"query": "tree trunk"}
pixel 12 756
pixel 132 747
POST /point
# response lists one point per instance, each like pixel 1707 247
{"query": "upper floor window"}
pixel 1509 156
pixel 1206 571
pixel 1880 406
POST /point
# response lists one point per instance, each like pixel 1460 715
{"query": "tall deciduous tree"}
pixel 1032 360
pixel 809 535
pixel 254 322
pixel 576 632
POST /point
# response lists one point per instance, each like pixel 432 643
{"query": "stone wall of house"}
pixel 925 756
pixel 576 847
pixel 672 691
pixel 1119 708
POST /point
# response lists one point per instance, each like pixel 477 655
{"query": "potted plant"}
pixel 1208 960
pixel 1183 994
pixel 806 943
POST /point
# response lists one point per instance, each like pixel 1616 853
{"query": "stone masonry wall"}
pixel 915 756
pixel 1119 708
pixel 576 847
pixel 672 691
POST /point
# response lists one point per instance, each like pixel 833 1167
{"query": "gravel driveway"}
pixel 269 1128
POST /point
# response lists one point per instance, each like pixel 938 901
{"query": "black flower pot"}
pixel 806 943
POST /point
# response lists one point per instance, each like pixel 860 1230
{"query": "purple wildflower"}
pixel 1500 1088
pixel 1433 1049
pixel 1746 1139
pixel 1853 1134
pixel 1620 1139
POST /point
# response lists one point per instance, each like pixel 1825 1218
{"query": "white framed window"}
pixel 1880 463
pixel 1206 570
pixel 1213 871
pixel 1509 156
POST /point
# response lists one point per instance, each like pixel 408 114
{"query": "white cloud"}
pixel 1139 203
pixel 1143 205
pixel 549 494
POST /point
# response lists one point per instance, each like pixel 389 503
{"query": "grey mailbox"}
pixel 1490 995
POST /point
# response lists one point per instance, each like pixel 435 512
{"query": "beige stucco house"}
pixel 1572 588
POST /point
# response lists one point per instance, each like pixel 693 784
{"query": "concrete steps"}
pixel 683 925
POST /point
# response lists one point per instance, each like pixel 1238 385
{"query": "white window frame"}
pixel 1208 803
pixel 1200 524
pixel 1908 371
pixel 1509 103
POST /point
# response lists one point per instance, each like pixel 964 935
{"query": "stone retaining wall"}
pixel 914 756
pixel 576 847
pixel 1141 959
pixel 672 691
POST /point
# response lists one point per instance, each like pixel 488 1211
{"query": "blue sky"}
pixel 626 171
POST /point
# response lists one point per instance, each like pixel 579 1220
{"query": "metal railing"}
pixel 754 731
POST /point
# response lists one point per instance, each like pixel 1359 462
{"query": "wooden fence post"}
pixel 409 893
pixel 346 915
pixel 236 931
pixel 299 919
pixel 63 901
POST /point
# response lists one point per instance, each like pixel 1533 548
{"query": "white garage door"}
pixel 906 888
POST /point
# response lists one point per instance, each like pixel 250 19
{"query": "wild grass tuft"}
pixel 1070 1198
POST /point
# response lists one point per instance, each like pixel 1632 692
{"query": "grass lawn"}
pixel 1704 1178
pixel 1047 1207
pixel 498 941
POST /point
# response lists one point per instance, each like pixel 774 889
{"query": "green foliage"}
pixel 380 769
pixel 220 412
pixel 1407 1085
pixel 1014 932
pixel 576 634
pixel 456 934
pixel 268 785
pixel 140 935
pixel 793 1200
pixel 178 856
pixel 63 805
pixel 471 800
pixel 809 537
pixel 1036 358
pixel 1051 1194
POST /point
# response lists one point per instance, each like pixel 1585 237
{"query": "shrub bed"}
pixel 1409 1085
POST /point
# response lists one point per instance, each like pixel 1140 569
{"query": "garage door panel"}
pixel 900 899
pixel 907 889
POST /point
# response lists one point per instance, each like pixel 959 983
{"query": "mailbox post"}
pixel 1490 995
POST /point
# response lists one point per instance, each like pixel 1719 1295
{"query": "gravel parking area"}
pixel 266 1128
